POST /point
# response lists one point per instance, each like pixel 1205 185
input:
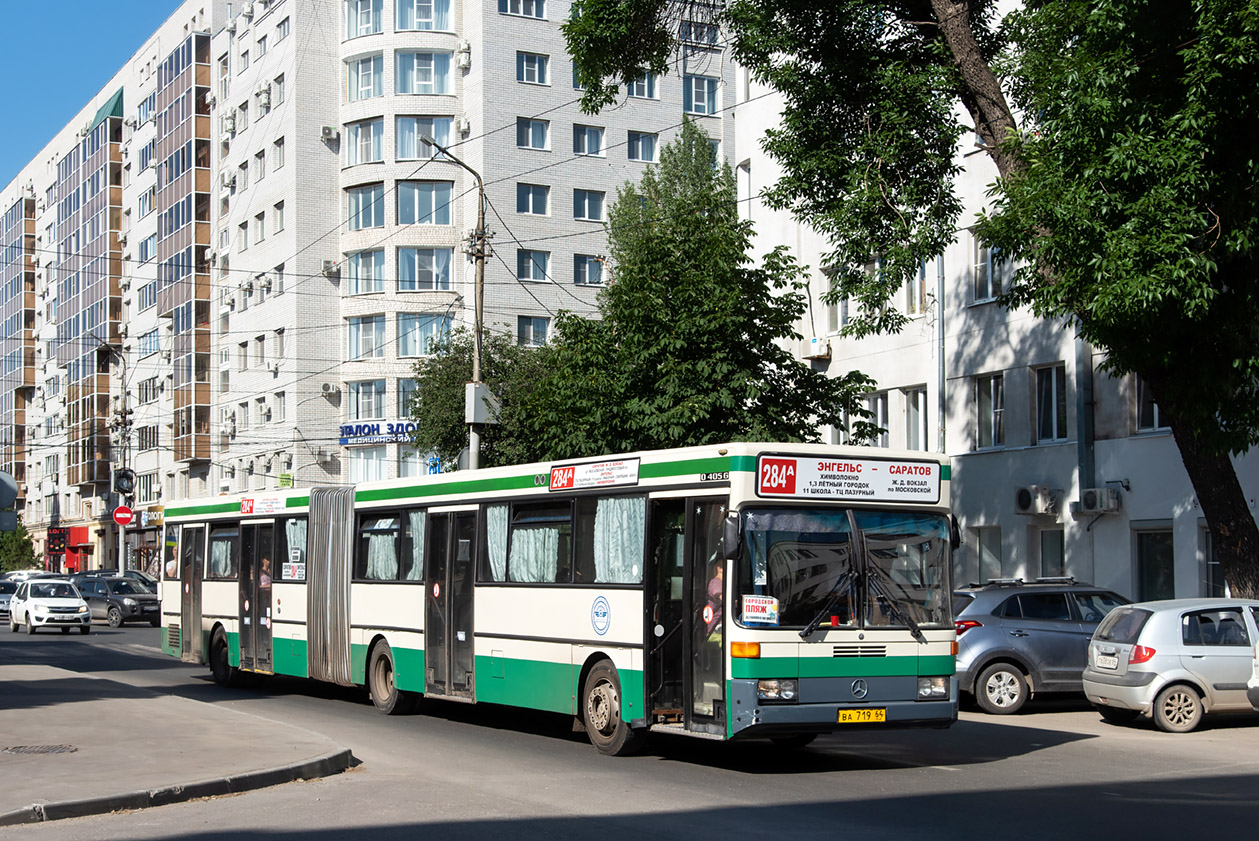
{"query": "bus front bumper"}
pixel 751 719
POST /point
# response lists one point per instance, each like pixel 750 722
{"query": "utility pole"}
pixel 477 400
pixel 120 423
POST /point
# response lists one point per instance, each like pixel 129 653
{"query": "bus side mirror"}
pixel 955 534
pixel 732 537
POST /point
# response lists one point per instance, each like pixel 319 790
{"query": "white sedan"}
pixel 49 603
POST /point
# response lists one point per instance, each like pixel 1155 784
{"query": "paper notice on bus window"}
pixel 760 610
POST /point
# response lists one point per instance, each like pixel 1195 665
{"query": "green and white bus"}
pixel 726 592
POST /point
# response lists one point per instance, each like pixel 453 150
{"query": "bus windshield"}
pixel 865 568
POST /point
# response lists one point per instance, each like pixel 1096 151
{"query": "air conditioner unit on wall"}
pixel 818 347
pixel 330 389
pixel 1099 500
pixel 329 132
pixel 1035 499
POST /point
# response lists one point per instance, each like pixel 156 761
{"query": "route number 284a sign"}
pixel 855 479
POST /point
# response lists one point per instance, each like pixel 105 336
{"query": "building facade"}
pixel 1058 468
pixel 226 267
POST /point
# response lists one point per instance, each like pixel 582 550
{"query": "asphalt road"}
pixel 477 772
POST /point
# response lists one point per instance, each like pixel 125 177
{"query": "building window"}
pixel 411 129
pixel 587 140
pixel 1053 558
pixel 362 17
pixel 533 265
pixel 533 68
pixel 365 78
pixel 424 202
pixel 1155 566
pixel 988 542
pixel 990 271
pixel 282 30
pixel 423 73
pixel 366 464
pixel 147 438
pixel 532 199
pixel 242 236
pixel 642 146
pixel 916 292
pixel 531 330
pixel 244 61
pixel 148 248
pixel 916 436
pixel 365 272
pixel 367 207
pixel 526 8
pixel 1051 403
pixel 532 134
pixel 423 14
pixel 277 217
pixel 588 205
pixel 694 32
pixel 260 227
pixel 877 404
pixel 261 49
pixel 365 142
pixel 260 165
pixel 419 335
pixel 990 411
pixel 147 391
pixel 424 269
pixel 1148 418
pixel 277 154
pixel 406 396
pixel 411 463
pixel 699 95
pixel 587 270
pixel 644 86
pixel 367 337
pixel 367 400
pixel 277 89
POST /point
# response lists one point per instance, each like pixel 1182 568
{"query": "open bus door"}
pixel 448 584
pixel 257 549
pixel 191 570
pixel 686 623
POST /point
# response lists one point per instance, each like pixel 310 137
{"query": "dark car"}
pixel 134 574
pixel 1016 638
pixel 118 600
pixel 7 589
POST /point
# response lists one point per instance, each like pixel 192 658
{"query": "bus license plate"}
pixel 866 716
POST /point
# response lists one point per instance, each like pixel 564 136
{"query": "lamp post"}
pixel 123 479
pixel 474 399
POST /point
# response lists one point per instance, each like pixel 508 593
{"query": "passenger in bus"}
pixel 716 593
pixel 264 579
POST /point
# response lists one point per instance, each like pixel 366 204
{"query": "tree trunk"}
pixel 1234 533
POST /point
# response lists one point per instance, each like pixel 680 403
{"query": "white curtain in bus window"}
pixel 534 554
pixel 618 540
pixel 496 540
pixel 295 536
pixel 222 558
pixel 413 564
pixel 382 557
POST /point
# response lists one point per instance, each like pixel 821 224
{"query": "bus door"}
pixel 448 583
pixel 257 549
pixel 191 571
pixel 687 613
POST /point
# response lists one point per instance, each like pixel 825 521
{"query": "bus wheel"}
pixel 225 674
pixel 388 698
pixel 601 711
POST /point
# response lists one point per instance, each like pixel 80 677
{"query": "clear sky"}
pixel 56 55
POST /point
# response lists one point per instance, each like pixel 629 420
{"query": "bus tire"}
pixel 601 712
pixel 385 694
pixel 225 674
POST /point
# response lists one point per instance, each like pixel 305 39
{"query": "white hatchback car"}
pixel 49 603
pixel 1173 660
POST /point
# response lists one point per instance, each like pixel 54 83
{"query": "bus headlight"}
pixel 776 690
pixel 933 688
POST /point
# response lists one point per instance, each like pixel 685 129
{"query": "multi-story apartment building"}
pixel 227 265
pixel 1058 468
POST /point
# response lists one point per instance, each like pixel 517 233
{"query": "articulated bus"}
pixel 726 592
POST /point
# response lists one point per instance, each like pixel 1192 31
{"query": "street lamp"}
pixel 477 399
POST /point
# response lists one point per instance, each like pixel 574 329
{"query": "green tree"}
pixel 17 550
pixel 511 372
pixel 689 344
pixel 1129 191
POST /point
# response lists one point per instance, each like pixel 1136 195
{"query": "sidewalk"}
pixel 73 744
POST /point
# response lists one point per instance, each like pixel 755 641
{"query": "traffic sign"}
pixel 123 515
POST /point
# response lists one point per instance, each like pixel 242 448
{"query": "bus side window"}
pixel 493 565
pixel 540 544
pixel 224 551
pixel 584 540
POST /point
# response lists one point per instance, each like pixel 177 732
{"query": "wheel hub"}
pixel 1002 689
pixel 601 707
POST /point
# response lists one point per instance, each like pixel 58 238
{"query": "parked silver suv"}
pixel 1017 638
pixel 1174 661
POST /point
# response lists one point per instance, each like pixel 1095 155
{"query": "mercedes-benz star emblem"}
pixel 859 689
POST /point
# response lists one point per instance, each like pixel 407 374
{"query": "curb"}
pixel 323 766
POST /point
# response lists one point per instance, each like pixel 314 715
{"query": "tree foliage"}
pixel 1129 190
pixel 17 550
pixel 689 344
pixel 512 372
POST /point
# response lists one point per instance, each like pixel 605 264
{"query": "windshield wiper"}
pixel 841 584
pixel 893 608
